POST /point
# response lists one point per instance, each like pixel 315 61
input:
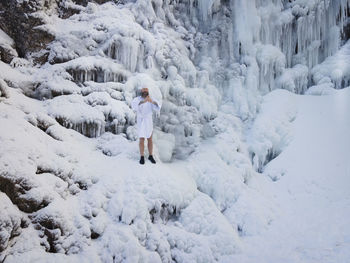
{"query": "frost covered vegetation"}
pixel 70 186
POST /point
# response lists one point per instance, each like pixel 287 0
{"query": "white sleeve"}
pixel 135 103
pixel 156 107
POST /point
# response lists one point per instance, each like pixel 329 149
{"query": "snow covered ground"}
pixel 100 207
pixel 311 187
pixel 195 210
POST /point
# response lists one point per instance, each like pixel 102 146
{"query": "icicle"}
pixel 149 62
pixel 125 50
pixel 205 9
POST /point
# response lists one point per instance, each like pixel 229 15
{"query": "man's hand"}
pixel 148 98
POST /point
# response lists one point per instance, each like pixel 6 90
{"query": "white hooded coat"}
pixel 144 116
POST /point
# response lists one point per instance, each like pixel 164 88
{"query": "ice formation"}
pixel 208 46
pixel 217 66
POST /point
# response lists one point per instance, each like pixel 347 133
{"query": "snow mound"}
pixel 335 70
pixel 271 131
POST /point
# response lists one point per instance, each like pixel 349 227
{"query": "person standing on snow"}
pixel 143 106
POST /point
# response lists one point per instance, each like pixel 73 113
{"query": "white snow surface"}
pixel 144 214
pixel 311 187
pixel 211 207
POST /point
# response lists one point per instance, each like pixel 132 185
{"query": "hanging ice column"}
pixel 274 42
pixel 126 50
pixel 203 10
pixel 305 32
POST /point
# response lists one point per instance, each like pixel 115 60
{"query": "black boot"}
pixel 142 160
pixel 151 159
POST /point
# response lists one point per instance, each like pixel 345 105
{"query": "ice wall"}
pixel 249 48
pixel 195 55
pixel 276 34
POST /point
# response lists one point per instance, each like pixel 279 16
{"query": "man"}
pixel 144 106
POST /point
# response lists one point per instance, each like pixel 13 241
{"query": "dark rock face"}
pixel 6 55
pixel 65 12
pixel 16 189
pixel 18 22
pixel 85 2
pixel 346 32
pixel 4 89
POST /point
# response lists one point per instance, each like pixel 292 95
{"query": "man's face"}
pixel 144 92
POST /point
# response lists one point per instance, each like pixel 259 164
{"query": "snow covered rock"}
pixel 165 144
pixel 335 70
pixel 86 119
pixel 3 89
pixel 10 221
pixel 271 131
pixel 21 20
pixel 7 51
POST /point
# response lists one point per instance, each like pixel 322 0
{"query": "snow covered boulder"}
pixel 165 143
pixel 72 112
pixel 3 89
pixel 333 71
pixel 200 239
pixel 23 192
pixel 10 221
pixel 271 131
pixel 94 68
pixel 7 52
pixel 117 114
pixel 321 89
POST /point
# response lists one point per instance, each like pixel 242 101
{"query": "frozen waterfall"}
pixel 229 74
